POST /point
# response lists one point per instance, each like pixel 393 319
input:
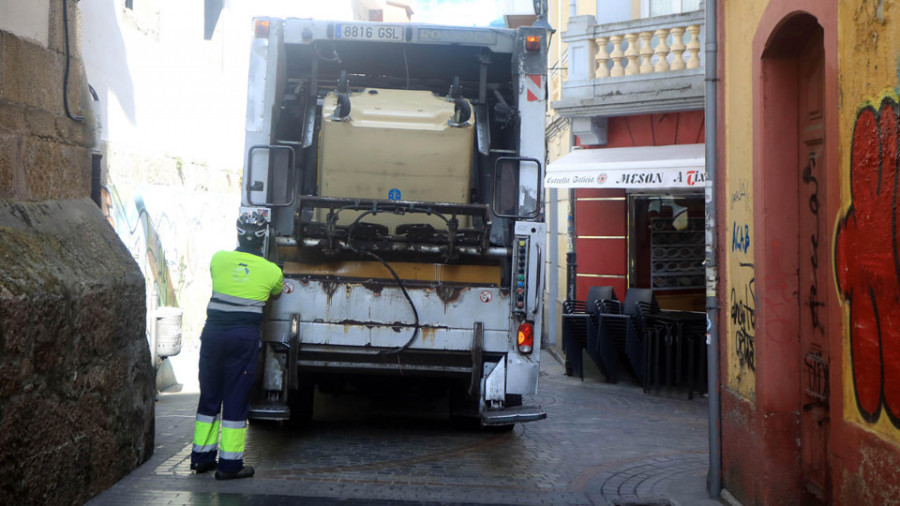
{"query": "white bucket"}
pixel 168 331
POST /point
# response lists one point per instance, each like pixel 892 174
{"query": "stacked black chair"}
pixel 693 334
pixel 575 322
pixel 674 348
pixel 579 326
pixel 616 329
pixel 601 350
pixel 639 303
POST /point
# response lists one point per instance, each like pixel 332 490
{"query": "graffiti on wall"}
pixel 743 320
pixel 741 195
pixel 140 234
pixel 867 265
pixel 172 234
pixel 740 237
pixel 812 300
pixel 742 303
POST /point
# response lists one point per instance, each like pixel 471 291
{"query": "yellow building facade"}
pixel 807 231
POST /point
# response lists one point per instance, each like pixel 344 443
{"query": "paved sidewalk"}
pixel 601 444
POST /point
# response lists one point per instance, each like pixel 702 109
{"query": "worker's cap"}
pixel 251 225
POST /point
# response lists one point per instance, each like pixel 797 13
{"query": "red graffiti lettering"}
pixel 867 267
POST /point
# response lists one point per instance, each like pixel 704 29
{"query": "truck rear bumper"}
pixel 361 360
pixel 518 414
pixel 269 411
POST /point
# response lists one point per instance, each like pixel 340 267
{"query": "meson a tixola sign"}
pixel 666 178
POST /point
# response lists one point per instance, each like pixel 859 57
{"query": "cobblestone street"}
pixel 600 444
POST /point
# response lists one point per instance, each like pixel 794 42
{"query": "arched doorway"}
pixel 792 254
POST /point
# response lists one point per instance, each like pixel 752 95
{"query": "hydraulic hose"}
pixel 412 305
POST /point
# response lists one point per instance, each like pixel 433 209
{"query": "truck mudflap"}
pixel 511 415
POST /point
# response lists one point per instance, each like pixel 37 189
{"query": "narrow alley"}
pixel 601 444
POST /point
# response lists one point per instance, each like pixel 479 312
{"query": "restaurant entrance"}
pixel 666 247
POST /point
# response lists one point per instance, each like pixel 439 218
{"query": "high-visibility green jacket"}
pixel 242 282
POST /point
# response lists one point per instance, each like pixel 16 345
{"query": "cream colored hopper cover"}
pixel 398 145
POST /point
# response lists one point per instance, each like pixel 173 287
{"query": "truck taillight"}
pixel 526 337
pixel 261 29
pixel 533 43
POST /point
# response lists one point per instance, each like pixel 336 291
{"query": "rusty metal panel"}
pixel 385 336
pixel 378 314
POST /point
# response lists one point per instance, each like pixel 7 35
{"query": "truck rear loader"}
pixel 400 169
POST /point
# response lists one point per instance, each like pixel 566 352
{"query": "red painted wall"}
pixel 866 465
pixel 663 129
pixel 595 252
pixel 608 258
pixel 868 267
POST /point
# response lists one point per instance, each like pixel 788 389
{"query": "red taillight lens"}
pixel 526 337
pixel 262 29
pixel 533 43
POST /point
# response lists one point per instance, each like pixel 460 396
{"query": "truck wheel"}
pixel 463 409
pixel 301 402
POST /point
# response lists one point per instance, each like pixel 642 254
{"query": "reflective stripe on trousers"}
pixel 206 433
pixel 227 371
pixel 233 436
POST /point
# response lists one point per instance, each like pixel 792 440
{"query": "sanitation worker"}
pixel 242 282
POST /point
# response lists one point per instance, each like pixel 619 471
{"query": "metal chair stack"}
pixel 603 350
pixel 639 302
pixel 579 328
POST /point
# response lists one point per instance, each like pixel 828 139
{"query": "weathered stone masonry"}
pixel 76 384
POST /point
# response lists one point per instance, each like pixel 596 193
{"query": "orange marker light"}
pixel 533 43
pixel 262 29
pixel 526 337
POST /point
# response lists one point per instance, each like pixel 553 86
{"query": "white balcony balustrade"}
pixel 647 65
pixel 661 50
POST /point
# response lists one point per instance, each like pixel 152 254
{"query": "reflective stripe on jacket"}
pixel 242 282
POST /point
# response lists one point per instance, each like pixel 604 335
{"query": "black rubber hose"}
pixel 342 110
pixel 65 4
pixel 462 111
pixel 455 88
pixel 343 85
pixel 396 278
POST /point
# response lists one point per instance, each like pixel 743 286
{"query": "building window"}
pixel 129 4
pixel 652 8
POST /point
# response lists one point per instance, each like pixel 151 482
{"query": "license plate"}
pixel 351 31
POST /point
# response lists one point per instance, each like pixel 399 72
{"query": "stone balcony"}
pixel 643 66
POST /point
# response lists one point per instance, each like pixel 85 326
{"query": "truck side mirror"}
pixel 270 176
pixel 517 188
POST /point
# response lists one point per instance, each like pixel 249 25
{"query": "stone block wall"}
pixel 43 153
pixel 76 383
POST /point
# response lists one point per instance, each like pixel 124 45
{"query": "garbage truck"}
pixel 399 167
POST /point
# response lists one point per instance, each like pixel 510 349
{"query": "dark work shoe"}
pixel 202 467
pixel 245 472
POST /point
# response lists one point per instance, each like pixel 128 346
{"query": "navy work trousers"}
pixel 227 372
